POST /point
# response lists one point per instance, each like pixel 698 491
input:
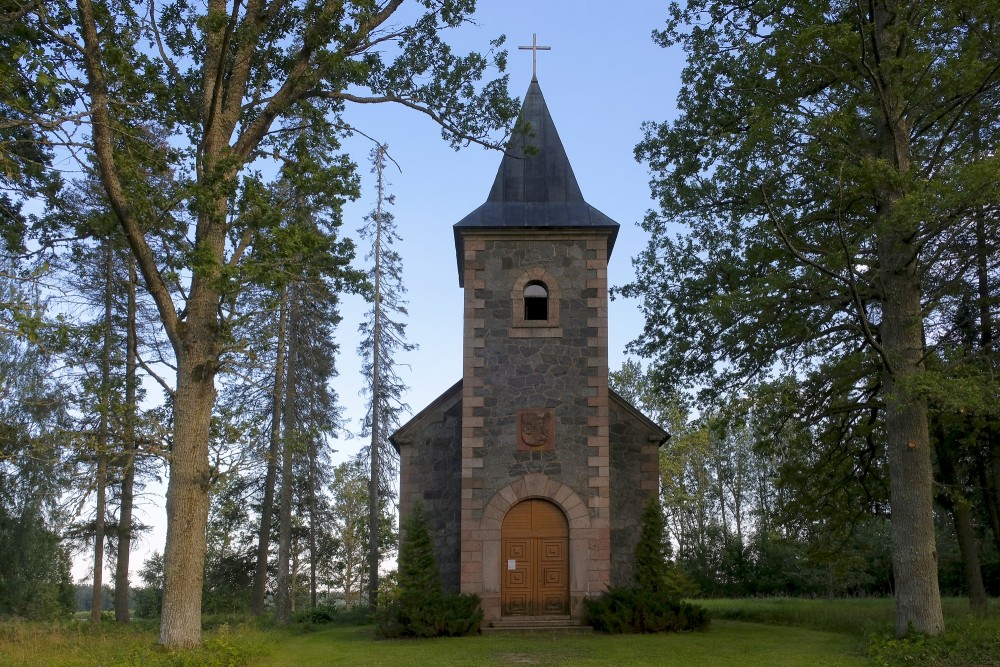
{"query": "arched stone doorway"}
pixel 535 560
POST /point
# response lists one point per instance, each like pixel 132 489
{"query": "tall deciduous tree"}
pixel 34 579
pixel 348 517
pixel 823 162
pixel 229 80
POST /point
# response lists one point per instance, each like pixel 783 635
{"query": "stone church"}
pixel 533 472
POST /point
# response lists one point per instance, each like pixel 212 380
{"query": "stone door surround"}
pixel 589 544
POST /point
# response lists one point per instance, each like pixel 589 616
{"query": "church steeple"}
pixel 535 167
pixel 533 472
pixel 535 187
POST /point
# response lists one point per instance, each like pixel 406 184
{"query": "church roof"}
pixel 535 187
pixel 404 434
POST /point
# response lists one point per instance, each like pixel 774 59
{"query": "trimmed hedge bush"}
pixel 440 616
pixel 635 610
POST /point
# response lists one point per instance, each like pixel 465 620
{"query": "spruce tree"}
pixel 650 553
pixel 384 336
pixel 419 579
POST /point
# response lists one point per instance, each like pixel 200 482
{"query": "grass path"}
pixel 726 643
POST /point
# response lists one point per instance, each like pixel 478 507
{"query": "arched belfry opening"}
pixel 534 547
pixel 536 301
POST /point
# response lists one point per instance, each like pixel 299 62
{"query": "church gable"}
pixel 430 465
pixel 635 478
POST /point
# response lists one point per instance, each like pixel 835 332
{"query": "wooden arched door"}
pixel 535 549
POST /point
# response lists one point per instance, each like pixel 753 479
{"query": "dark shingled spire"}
pixel 535 187
pixel 529 176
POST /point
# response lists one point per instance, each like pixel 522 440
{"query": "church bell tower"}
pixel 533 264
pixel 532 471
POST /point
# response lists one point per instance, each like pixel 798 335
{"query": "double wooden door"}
pixel 535 550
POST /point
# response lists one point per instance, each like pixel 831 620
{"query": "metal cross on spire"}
pixel 534 48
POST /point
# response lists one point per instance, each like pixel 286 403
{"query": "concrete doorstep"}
pixel 563 624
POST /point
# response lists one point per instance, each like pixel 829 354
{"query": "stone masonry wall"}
pixel 562 367
pixel 634 480
pixel 431 467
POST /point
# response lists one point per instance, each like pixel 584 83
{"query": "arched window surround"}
pixel 535 276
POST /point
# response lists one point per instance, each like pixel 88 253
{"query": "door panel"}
pixel 535 548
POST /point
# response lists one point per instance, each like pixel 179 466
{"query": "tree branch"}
pixel 104 148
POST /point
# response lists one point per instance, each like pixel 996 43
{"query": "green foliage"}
pixel 651 564
pixel 653 604
pixel 230 557
pixel 332 614
pixel 653 569
pixel 442 615
pixel 34 580
pixel 635 610
pixel 967 644
pixel 147 600
pixel 658 401
pixel 677 583
pixel 34 567
pixel 419 578
pixel 420 609
pixel 348 520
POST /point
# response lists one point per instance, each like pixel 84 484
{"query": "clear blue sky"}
pixel 601 79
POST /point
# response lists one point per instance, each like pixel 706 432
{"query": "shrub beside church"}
pixel 652 604
pixel 420 608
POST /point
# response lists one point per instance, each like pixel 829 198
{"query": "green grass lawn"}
pixel 743 632
pixel 726 643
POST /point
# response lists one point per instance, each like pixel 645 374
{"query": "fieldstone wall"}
pixel 634 480
pixel 511 366
pixel 431 472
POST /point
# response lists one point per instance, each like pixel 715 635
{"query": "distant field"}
pixel 859 616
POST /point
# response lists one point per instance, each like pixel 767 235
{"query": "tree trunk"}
pixel 101 481
pixel 267 508
pixel 128 463
pixel 190 474
pixel 283 603
pixel 960 508
pixel 97 592
pixel 914 553
pixel 312 524
pixel 293 578
pixel 969 547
